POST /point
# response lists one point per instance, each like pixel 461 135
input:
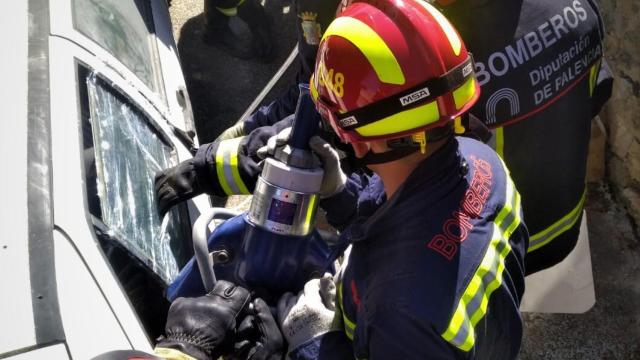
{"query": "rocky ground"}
pixel 221 88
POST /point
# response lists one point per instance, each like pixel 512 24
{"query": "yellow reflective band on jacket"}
pixel 227 167
pixel 172 354
pixel 371 45
pixel 593 76
pixel 233 11
pixel 472 306
pixel 545 236
pixel 349 326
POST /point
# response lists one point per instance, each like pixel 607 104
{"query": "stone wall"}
pixel 621 116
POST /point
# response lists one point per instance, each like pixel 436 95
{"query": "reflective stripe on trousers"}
pixel 545 236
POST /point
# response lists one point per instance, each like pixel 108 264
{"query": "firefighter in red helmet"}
pixel 437 271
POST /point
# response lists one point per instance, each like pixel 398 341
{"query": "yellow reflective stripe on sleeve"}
pixel 472 306
pixel 227 167
pixel 349 326
pixel 371 45
pixel 233 11
pixel 172 354
pixel 452 35
pixel 593 76
pixel 545 236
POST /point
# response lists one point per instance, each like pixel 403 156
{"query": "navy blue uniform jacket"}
pixel 436 272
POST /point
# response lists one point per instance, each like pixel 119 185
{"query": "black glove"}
pixel 177 184
pixel 203 327
pixel 258 336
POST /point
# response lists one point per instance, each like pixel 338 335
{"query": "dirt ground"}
pixel 221 88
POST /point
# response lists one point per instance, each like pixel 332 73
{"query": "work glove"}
pixel 203 327
pixel 274 142
pixel 258 336
pixel 177 184
pixel 334 179
pixel 233 132
pixel 310 314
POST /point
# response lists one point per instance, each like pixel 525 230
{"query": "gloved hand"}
pixel 334 179
pixel 258 336
pixel 177 184
pixel 233 132
pixel 274 142
pixel 203 327
pixel 310 314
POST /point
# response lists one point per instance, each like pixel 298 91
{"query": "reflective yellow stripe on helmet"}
pixel 405 120
pixel 545 236
pixel 227 167
pixel 463 94
pixel 371 45
pixel 472 306
pixel 419 116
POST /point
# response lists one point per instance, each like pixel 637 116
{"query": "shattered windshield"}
pixel 123 28
pixel 128 152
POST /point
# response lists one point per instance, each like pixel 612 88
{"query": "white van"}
pixel 93 103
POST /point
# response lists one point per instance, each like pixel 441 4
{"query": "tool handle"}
pixel 306 121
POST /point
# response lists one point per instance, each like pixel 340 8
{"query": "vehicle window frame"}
pixel 62 25
pixel 82 71
pixel 149 21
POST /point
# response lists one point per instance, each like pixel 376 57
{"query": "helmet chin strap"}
pixel 406 146
pixel 371 158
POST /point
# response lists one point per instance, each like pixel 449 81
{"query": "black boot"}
pixel 217 32
pixel 259 23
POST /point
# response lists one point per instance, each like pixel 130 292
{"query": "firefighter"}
pixel 543 79
pixel 217 32
pixel 438 270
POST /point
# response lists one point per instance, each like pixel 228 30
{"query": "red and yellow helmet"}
pixel 390 68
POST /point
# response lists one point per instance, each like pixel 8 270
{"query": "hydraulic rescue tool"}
pixel 274 247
